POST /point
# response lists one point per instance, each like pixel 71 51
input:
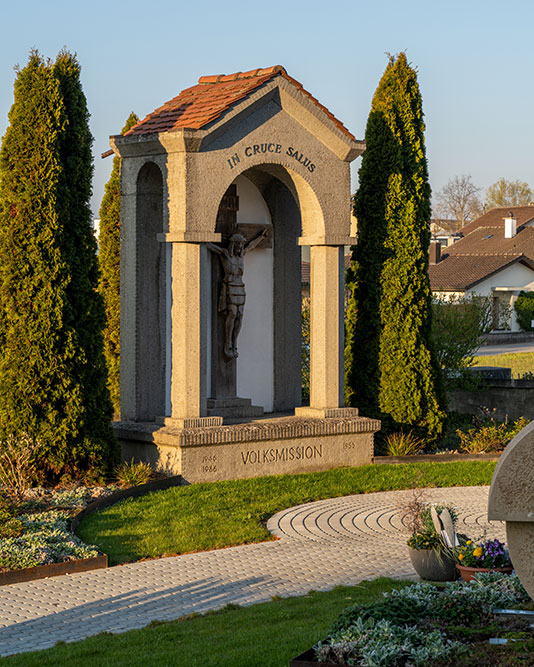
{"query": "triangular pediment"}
pixel 216 103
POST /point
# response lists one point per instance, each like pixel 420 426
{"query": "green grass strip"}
pixel 220 514
pixel 267 634
pixel 519 362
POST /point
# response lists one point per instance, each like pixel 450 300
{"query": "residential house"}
pixel 494 257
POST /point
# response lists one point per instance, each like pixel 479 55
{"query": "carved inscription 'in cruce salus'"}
pixel 276 454
pixel 271 147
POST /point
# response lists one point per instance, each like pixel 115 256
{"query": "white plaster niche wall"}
pixel 255 364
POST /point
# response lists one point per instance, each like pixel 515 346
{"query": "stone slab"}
pixel 285 445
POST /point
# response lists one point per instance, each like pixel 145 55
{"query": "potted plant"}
pixel 482 556
pixel 433 538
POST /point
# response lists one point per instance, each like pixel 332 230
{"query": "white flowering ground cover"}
pixel 421 625
pixel 40 533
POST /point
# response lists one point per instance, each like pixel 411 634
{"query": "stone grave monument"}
pixel 220 187
pixel 511 499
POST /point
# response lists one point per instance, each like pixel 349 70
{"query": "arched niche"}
pixel 151 295
pixel 268 369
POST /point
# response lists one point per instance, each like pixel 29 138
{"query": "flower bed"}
pixel 38 535
pixel 419 625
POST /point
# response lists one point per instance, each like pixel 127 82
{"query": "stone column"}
pixel 190 310
pixel 326 334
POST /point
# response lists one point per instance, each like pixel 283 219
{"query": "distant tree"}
pixel 508 193
pixel 52 371
pixel 390 371
pixel 109 260
pixel 458 199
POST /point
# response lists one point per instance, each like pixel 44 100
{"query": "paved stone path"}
pixel 322 544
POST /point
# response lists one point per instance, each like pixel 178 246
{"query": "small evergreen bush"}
pixel 524 310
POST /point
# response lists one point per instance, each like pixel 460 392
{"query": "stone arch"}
pixel 313 221
pixel 151 294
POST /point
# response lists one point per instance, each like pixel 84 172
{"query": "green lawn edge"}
pixel 267 634
pixel 214 515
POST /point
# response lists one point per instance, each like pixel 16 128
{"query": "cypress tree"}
pixel 390 369
pixel 52 370
pixel 109 260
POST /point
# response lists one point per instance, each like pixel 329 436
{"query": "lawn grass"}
pixel 520 362
pixel 267 634
pixel 220 514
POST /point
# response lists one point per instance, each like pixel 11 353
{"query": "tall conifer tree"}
pixel 109 259
pixel 390 370
pixel 52 370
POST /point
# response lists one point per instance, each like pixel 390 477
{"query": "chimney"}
pixel 435 252
pixel 510 226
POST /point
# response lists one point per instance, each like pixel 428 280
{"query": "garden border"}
pixel 86 564
pixel 436 458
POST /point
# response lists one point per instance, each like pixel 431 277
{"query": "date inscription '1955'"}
pixel 258 149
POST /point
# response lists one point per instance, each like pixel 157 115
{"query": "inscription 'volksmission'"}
pixel 258 149
pixel 275 454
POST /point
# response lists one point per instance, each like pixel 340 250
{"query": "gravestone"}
pixel 511 499
pixel 220 188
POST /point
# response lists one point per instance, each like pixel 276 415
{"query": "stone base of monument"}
pixel 273 446
pixel 233 408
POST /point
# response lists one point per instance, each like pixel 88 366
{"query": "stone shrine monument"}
pixel 220 187
pixel 511 499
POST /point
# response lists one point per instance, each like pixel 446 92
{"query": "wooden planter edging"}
pixel 86 564
pixel 436 458
pixel 53 570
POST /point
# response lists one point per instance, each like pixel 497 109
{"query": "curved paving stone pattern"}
pixel 322 544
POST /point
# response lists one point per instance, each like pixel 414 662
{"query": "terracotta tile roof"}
pixel 495 217
pixel 490 241
pixel 461 272
pixel 196 107
pixel 484 250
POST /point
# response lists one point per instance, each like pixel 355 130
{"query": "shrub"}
pixel 133 474
pixel 489 437
pixel 17 464
pixel 390 370
pixel 109 261
pixel 403 444
pixel 524 310
pixel 459 326
pixel 52 368
pixel 305 349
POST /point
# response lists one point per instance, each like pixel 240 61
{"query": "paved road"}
pixel 505 349
pixel 322 544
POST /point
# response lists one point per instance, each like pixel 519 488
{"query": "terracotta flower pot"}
pixel 432 565
pixel 468 573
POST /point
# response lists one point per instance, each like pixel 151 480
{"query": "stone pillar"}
pixel 326 334
pixel 190 311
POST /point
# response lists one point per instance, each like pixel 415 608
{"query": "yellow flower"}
pixel 460 556
pixel 469 542
pixel 477 552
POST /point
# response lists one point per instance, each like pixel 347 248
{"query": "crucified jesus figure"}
pixel 232 297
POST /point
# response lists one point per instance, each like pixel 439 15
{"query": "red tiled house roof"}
pixel 495 218
pixel 484 250
pixel 196 107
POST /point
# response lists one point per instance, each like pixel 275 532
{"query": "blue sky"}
pixel 474 58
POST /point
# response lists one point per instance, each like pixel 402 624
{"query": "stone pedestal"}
pixel 254 449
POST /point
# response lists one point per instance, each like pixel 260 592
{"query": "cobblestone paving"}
pixel 322 544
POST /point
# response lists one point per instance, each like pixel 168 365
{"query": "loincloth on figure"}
pixel 232 294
